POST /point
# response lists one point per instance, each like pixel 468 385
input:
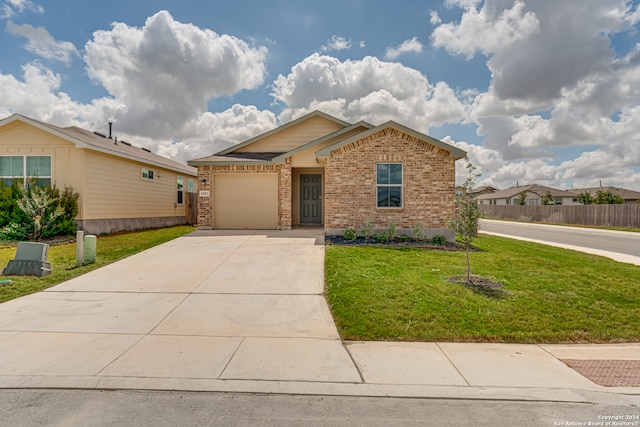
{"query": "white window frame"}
pixel 180 193
pixel 151 174
pixel 401 185
pixel 25 177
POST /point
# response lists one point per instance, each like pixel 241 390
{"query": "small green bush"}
pixel 349 234
pixel 439 240
pixel 418 232
pixel 382 237
pixel 391 230
pixel 367 230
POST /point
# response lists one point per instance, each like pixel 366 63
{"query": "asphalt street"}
pixel 71 408
pixel 604 240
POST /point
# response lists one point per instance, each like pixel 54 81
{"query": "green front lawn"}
pixel 552 295
pixel 110 248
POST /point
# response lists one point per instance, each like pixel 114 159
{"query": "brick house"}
pixel 319 170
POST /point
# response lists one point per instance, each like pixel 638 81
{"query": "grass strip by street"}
pixel 110 248
pixel 553 295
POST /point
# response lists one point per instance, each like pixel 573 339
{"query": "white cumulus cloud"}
pixel 166 71
pixel 367 89
pixel 337 43
pixel 408 46
pixel 41 43
pixel 556 82
pixel 485 30
pixel 11 8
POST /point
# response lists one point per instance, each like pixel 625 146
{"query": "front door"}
pixel 310 199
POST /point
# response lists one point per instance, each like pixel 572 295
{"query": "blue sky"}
pixel 535 91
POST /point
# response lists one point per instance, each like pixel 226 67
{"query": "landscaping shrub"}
pixel 349 234
pixel 8 206
pixel 439 240
pixel 40 213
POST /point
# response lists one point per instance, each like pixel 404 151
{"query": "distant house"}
pixel 476 191
pixel 320 170
pixel 121 187
pixel 629 196
pixel 534 195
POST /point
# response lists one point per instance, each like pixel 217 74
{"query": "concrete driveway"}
pixel 210 305
pixel 245 311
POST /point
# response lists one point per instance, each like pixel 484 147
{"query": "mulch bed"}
pixel 481 285
pixel 395 243
pixel 608 373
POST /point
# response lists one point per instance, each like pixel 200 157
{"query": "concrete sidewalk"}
pixel 245 312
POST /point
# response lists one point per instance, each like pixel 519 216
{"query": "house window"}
pixel 180 199
pixel 558 200
pixel 389 185
pixel 37 168
pixel 147 174
pixel 533 202
pixel 191 185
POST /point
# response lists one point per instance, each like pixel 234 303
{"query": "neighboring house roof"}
pixel 540 190
pixel 231 156
pixel 626 194
pixel 484 190
pixel 82 138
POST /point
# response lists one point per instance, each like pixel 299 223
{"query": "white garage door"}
pixel 245 201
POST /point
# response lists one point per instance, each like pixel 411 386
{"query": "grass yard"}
pixel 553 295
pixel 110 248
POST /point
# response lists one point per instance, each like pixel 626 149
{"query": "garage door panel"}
pixel 246 201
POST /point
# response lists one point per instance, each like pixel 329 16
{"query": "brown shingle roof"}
pixel 540 190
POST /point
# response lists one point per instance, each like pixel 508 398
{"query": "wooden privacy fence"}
pixel 627 215
pixel 192 208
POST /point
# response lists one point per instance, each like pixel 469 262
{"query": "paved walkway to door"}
pixel 245 312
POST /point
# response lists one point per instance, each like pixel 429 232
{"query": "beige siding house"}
pixel 322 171
pixel 534 195
pixel 121 187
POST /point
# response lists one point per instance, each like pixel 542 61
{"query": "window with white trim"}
pixel 26 169
pixel 180 199
pixel 147 174
pixel 389 185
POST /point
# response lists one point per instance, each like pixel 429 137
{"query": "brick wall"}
pixel 428 183
pixel 206 207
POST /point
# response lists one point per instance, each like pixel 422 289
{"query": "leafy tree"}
pixel 467 214
pixel 523 198
pixel 548 199
pixel 585 198
pixel 607 198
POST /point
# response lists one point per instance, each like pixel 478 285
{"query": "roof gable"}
pixel 246 146
pixel 319 141
pixel 82 138
pixel 455 152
